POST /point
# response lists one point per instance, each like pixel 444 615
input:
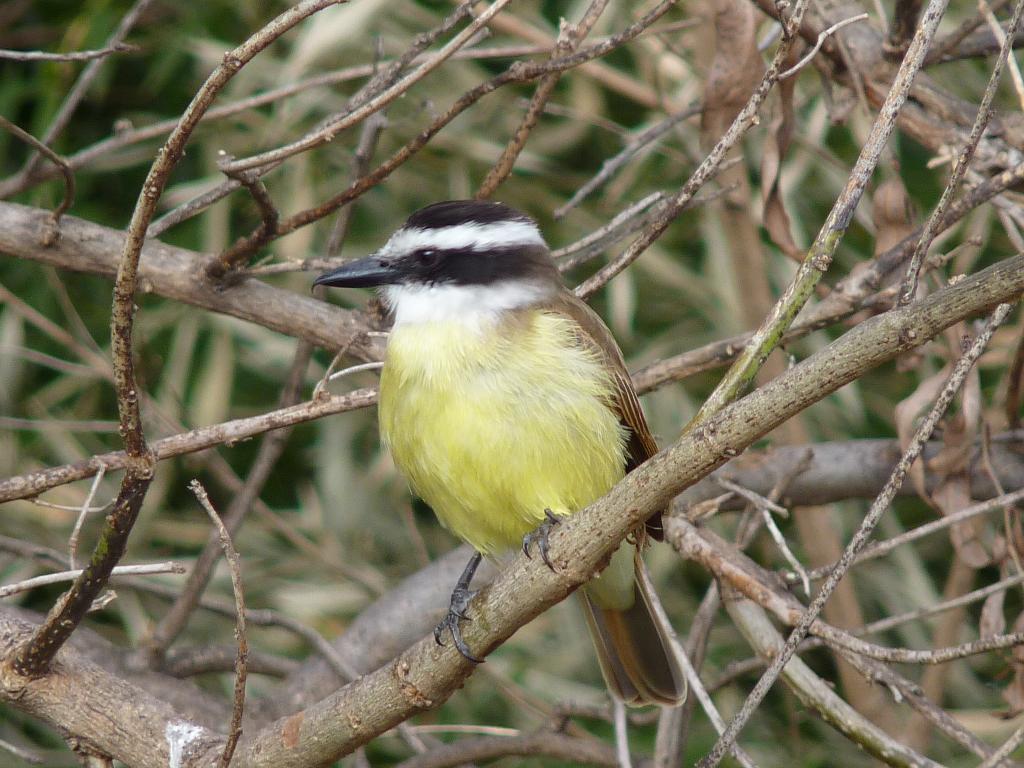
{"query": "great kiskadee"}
pixel 505 402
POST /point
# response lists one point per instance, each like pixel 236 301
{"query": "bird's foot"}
pixel 461 596
pixel 539 536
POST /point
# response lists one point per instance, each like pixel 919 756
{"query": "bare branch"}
pixel 35 657
pixel 520 72
pixel 569 39
pixel 944 46
pixel 822 37
pixel 1006 749
pixel 271 447
pixel 229 432
pixel 99 53
pixel 6 590
pixel 57 160
pixel 864 531
pixel 242 657
pixel 177 273
pixel 817 694
pixel 908 288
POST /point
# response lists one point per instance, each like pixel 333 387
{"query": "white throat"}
pixel 471 305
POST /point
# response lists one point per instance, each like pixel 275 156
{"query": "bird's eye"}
pixel 427 257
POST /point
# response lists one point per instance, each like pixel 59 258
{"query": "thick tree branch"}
pixel 177 273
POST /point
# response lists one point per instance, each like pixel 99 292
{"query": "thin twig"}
pixel 241 659
pixel 946 605
pixel 817 694
pixel 368 138
pixel 196 660
pixel 46 579
pixel 57 160
pixel 198 204
pixel 1006 749
pixel 227 433
pixel 1005 38
pixel 80 521
pixel 635 144
pixel 569 39
pixel 696 687
pixel 849 295
pixel 905 690
pixel 605 235
pixel 908 288
pixel 839 639
pixel 766 507
pixel 878 507
pixel 944 46
pixel 271 447
pixel 122 139
pixel 881 548
pixel 99 53
pixel 217 268
pixel 822 36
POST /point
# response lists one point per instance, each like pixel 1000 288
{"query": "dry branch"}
pixel 177 273
pixel 34 483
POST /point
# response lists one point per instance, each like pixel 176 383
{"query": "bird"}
pixel 506 404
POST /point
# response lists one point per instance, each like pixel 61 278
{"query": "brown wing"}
pixel 594 334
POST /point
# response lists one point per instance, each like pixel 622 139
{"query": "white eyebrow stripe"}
pixel 471 235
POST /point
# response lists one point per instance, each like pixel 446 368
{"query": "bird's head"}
pixel 456 258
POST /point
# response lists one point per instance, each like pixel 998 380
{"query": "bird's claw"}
pixel 539 536
pixel 457 613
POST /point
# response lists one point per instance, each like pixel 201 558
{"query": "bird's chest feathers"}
pixel 510 417
pixel 526 362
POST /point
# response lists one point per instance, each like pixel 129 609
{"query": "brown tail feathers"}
pixel 634 649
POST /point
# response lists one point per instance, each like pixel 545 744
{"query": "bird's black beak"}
pixel 362 273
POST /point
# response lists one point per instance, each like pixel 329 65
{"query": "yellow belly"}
pixel 493 425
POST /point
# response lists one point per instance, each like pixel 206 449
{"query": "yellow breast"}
pixel 494 423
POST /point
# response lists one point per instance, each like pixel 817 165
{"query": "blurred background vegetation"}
pixel 338 525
